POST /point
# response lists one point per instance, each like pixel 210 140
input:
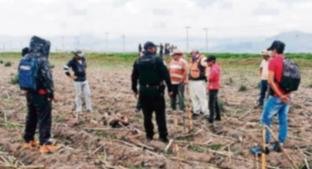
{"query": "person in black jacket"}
pixel 79 65
pixel 151 73
pixel 39 102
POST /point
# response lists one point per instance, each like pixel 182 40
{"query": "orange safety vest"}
pixel 195 70
pixel 177 71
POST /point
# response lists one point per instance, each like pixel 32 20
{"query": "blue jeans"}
pixel 263 91
pixel 275 106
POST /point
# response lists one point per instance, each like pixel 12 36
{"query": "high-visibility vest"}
pixel 177 71
pixel 197 72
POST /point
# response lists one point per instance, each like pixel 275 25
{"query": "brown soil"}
pixel 93 143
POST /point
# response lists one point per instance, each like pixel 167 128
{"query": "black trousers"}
pixel 39 114
pixel 155 104
pixel 214 106
pixel 263 91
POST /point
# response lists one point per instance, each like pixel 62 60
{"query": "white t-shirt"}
pixel 265 69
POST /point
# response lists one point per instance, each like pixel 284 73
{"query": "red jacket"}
pixel 214 77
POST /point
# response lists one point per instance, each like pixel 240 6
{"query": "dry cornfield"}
pixel 93 143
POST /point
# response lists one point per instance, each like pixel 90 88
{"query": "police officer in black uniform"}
pixel 151 73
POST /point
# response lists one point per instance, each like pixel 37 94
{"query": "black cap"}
pixel 211 58
pixel 149 44
pixel 277 45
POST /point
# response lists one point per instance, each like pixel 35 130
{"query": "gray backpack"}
pixel 291 76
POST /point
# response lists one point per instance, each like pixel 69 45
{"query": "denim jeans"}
pixel 275 106
pixel 263 91
pixel 178 92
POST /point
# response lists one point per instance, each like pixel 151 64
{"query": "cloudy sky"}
pixel 154 18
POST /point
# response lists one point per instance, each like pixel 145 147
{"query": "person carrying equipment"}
pixel 151 73
pixel 78 65
pixel 35 78
pixel 284 78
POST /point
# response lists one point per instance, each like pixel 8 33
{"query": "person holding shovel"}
pixel 78 65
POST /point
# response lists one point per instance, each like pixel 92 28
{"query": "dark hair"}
pixel 211 58
pixel 25 51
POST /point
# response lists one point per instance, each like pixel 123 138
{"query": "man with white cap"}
pixel 178 75
pixel 78 65
pixel 264 72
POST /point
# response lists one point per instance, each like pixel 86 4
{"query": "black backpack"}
pixel 291 76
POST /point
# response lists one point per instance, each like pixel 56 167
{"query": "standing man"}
pixel 151 73
pixel 264 72
pixel 35 78
pixel 78 65
pixel 278 101
pixel 214 77
pixel 197 84
pixel 178 75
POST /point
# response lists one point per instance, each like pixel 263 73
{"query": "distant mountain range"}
pixel 296 41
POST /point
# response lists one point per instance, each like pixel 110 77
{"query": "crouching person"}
pixel 78 65
pixel 213 78
pixel 35 79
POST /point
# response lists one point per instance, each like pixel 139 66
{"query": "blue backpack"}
pixel 28 73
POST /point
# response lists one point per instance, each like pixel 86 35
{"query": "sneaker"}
pixel 277 147
pixel 258 106
pixel 30 144
pixel 48 148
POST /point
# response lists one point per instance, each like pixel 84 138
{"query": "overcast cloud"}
pixel 157 18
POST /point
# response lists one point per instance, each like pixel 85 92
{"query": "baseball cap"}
pixel 177 52
pixel 277 45
pixel 149 44
pixel 78 53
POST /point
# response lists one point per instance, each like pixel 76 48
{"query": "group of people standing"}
pixel 150 77
pixel 151 72
pixel 202 75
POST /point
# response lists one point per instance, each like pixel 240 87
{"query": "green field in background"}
pixel 126 59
